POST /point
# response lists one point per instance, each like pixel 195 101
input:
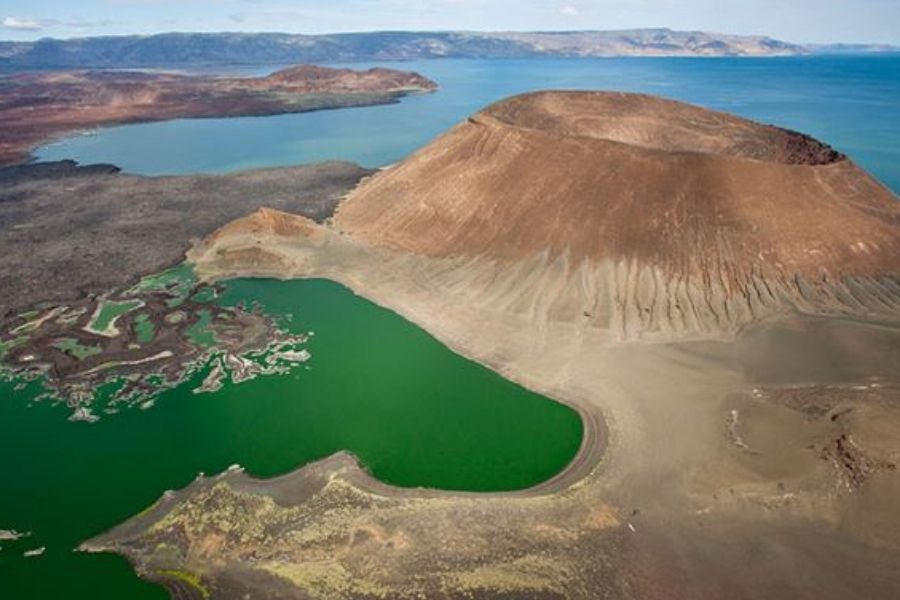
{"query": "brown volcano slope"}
pixel 641 214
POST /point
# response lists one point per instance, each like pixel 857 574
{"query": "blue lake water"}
pixel 851 102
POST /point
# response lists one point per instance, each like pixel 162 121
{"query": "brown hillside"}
pixel 594 176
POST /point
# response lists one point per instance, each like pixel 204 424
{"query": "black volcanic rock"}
pixel 52 170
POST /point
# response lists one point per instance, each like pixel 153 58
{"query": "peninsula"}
pixel 38 106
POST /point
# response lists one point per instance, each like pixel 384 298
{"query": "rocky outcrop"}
pixel 313 78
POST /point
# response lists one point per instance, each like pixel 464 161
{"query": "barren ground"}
pixel 71 231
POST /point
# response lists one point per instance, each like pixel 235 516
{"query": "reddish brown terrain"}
pixel 35 107
pixel 602 175
pixel 683 218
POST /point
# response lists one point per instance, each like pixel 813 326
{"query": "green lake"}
pixel 415 413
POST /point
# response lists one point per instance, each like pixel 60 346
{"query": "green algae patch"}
pixel 104 320
pixel 144 331
pixel 178 281
pixel 200 332
pixel 7 345
pixel 205 295
pixel 75 349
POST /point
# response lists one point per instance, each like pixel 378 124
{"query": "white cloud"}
pixel 24 23
pixel 569 11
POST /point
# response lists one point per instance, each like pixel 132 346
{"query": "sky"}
pixel 876 21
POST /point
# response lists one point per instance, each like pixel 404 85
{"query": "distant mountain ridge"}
pixel 185 49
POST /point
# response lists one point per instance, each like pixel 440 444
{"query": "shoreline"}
pixel 61 137
pixel 148 97
pixel 93 130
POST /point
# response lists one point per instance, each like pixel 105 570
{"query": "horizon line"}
pixel 445 31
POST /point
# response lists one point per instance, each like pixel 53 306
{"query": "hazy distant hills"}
pixel 852 48
pixel 173 49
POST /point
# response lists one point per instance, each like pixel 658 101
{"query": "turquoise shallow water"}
pixel 851 102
